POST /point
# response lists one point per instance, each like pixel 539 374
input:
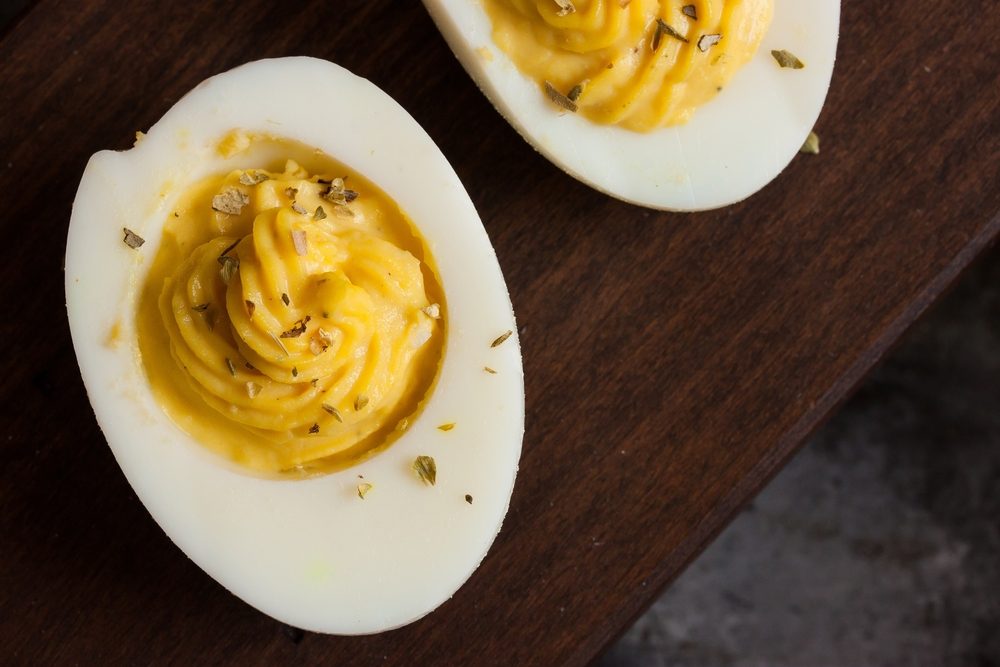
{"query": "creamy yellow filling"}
pixel 291 321
pixel 640 64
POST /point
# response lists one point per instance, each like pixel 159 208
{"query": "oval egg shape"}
pixel 731 147
pixel 309 552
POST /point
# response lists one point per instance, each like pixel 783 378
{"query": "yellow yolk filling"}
pixel 619 64
pixel 296 332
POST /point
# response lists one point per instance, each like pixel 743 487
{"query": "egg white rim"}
pixel 310 552
pixel 718 158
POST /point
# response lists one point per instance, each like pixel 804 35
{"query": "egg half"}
pixel 731 147
pixel 309 552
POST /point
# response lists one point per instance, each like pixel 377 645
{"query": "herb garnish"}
pixel 132 240
pixel 297 329
pixel 253 389
pixel 811 145
pixel 446 427
pixel 229 267
pixel 663 29
pixel 286 301
pixel 360 402
pixel 565 7
pixel 230 201
pixel 314 429
pixel 559 99
pixel 246 178
pixel 295 372
pixel 705 42
pixel 363 488
pixel 489 370
pixel 333 411
pixel 320 214
pixel 231 367
pixel 291 192
pixel 299 208
pixel 690 11
pixel 501 338
pixel 787 59
pixel 468 498
pixel 426 469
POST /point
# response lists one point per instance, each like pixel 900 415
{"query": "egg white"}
pixel 308 552
pixel 732 147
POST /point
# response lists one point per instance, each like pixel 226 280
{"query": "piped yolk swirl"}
pixel 640 64
pixel 300 333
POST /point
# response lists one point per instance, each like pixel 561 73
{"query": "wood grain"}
pixel 673 362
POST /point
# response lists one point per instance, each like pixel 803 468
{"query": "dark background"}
pixel 879 544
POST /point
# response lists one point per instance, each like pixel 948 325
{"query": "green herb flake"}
pixel 811 145
pixel 565 7
pixel 787 59
pixel 320 214
pixel 468 498
pixel 364 488
pixel 230 265
pixel 426 469
pixel 360 402
pixel 248 178
pixel 705 42
pixel 253 389
pixel 285 299
pixel 499 340
pixel 489 370
pixel 559 99
pixel 297 329
pixel 231 366
pixel 132 240
pixel 662 28
pixel 446 427
pixel 314 429
pixel 333 411
pixel 230 201
pixel 295 372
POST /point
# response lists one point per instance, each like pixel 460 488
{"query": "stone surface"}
pixel 879 544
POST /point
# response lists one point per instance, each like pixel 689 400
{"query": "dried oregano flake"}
pixel 787 59
pixel 559 99
pixel 231 366
pixel 501 338
pixel 230 201
pixel 811 145
pixel 314 429
pixel 446 427
pixel 297 329
pixel 333 411
pixel 253 389
pixel 132 240
pixel 565 7
pixel 229 267
pixel 426 469
pixel 360 402
pixel 253 178
pixel 364 488
pixel 705 42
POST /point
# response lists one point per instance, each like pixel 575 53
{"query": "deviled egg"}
pixel 298 342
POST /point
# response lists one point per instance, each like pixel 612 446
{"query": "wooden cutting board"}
pixel 673 362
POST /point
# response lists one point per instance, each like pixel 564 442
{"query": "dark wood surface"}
pixel 672 362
